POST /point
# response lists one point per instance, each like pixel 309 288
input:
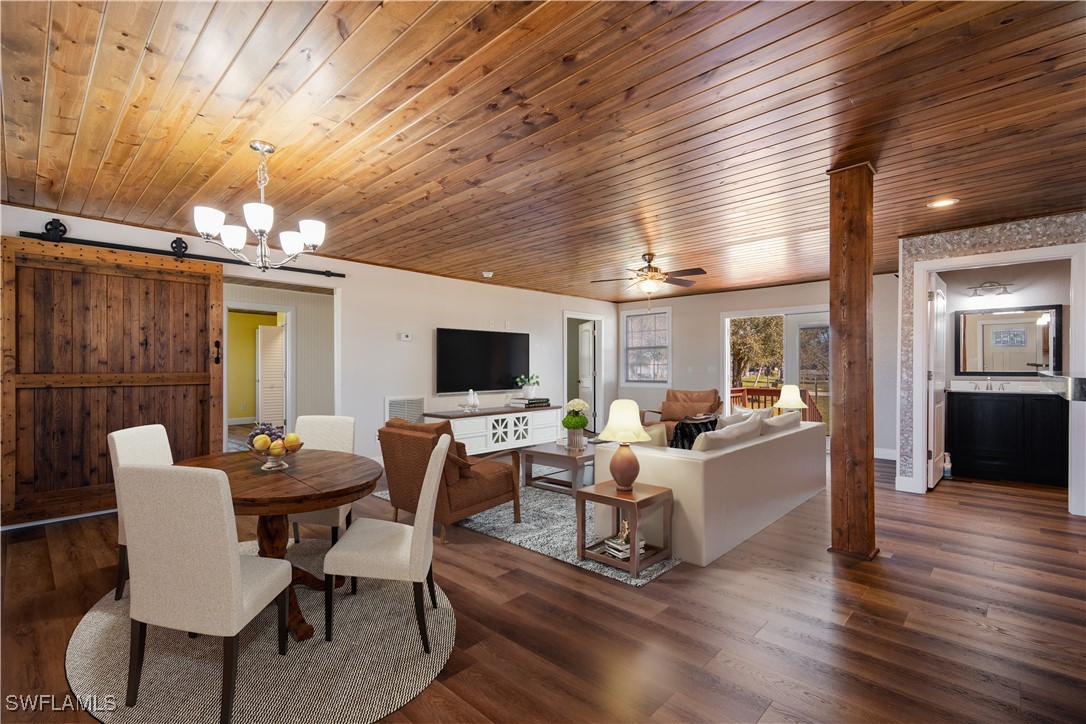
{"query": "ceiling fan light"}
pixel 291 242
pixel 233 237
pixel 259 217
pixel 313 232
pixel 209 221
pixel 649 285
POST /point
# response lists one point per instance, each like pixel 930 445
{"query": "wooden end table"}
pixel 574 460
pixel 634 502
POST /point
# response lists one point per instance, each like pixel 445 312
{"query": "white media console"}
pixel 502 428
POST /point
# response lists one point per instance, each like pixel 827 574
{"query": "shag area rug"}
pixel 374 666
pixel 549 526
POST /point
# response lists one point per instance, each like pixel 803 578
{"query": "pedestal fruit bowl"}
pixel 272 445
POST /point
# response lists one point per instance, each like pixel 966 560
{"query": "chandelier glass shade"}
pixel 259 217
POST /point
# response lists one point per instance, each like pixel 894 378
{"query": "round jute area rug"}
pixel 374 666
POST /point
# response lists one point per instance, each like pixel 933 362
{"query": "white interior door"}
pixel 936 379
pixel 586 368
pixel 270 374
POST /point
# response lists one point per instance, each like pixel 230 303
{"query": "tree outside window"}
pixel 757 350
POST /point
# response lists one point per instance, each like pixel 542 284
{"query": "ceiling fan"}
pixel 650 278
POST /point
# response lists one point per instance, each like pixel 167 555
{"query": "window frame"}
pixel 626 382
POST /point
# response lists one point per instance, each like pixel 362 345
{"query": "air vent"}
pixel 407 407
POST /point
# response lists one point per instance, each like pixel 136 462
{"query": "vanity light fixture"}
pixel 982 289
pixel 942 203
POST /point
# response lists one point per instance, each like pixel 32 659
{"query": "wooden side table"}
pixel 641 498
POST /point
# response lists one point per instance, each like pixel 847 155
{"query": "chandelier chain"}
pixel 262 174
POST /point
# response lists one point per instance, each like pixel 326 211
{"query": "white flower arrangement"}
pixel 575 418
pixel 577 406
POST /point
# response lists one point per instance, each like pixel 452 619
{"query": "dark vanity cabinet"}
pixel 1022 437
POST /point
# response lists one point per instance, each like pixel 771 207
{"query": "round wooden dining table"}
pixel 313 480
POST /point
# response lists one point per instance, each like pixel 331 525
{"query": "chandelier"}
pixel 259 218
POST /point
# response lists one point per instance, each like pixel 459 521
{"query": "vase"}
pixel 529 391
pixel 575 439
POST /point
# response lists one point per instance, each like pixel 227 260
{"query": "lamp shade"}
pixel 233 237
pixel 790 399
pixel 313 232
pixel 259 217
pixel 624 423
pixel 649 286
pixel 291 242
pixel 209 221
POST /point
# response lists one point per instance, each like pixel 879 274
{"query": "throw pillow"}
pixel 724 422
pixel 687 431
pixel 678 410
pixel 781 422
pixel 731 435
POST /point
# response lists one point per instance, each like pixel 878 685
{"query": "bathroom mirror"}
pixel 1007 342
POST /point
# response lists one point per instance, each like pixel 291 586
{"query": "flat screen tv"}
pixel 469 359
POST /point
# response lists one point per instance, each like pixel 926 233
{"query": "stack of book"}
pixel 530 402
pixel 618 547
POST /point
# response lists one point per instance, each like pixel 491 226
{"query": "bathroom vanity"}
pixel 1017 433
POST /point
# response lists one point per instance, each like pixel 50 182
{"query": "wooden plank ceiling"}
pixel 551 143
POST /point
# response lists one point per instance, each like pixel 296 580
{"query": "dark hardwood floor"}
pixel 974 611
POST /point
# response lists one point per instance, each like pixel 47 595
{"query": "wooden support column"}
pixel 852 453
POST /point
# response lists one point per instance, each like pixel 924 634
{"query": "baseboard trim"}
pixel 886 453
pixel 241 421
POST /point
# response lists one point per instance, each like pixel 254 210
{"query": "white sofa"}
pixel 725 496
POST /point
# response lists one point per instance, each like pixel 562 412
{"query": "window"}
pixel 648 346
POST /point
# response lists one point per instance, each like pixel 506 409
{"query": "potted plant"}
pixel 529 384
pixel 575 422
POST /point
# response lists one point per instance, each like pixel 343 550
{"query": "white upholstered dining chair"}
pixel 325 432
pixel 143 445
pixel 187 571
pixel 384 549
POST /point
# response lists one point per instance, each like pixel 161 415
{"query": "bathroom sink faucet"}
pixel 1002 386
pixel 989 386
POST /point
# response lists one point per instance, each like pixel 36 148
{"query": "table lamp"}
pixel 624 426
pixel 790 399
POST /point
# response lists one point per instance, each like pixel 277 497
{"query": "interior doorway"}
pixel 583 363
pixel 257 384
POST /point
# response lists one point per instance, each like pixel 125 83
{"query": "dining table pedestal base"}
pixel 272 535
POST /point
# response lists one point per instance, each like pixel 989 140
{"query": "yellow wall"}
pixel 241 364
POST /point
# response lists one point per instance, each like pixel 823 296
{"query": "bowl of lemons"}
pixel 272 445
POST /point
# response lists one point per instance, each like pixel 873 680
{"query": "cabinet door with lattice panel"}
pixel 95 340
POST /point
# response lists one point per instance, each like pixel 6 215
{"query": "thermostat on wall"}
pixel 405 336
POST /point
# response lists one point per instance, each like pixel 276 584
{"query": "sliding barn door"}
pixel 96 340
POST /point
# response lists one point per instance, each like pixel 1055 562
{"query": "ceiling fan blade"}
pixel 687 272
pixel 621 279
pixel 680 282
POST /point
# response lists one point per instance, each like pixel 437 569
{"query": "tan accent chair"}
pixel 143 445
pixel 187 571
pixel 325 432
pixel 391 551
pixel 678 404
pixel 468 485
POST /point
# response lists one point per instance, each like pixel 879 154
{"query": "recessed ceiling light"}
pixel 487 274
pixel 941 203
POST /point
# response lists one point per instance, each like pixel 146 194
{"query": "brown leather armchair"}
pixel 678 404
pixel 468 484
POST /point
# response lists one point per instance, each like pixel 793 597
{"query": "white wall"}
pixel 696 343
pixel 372 305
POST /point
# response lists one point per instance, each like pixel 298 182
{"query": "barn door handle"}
pixel 218 357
